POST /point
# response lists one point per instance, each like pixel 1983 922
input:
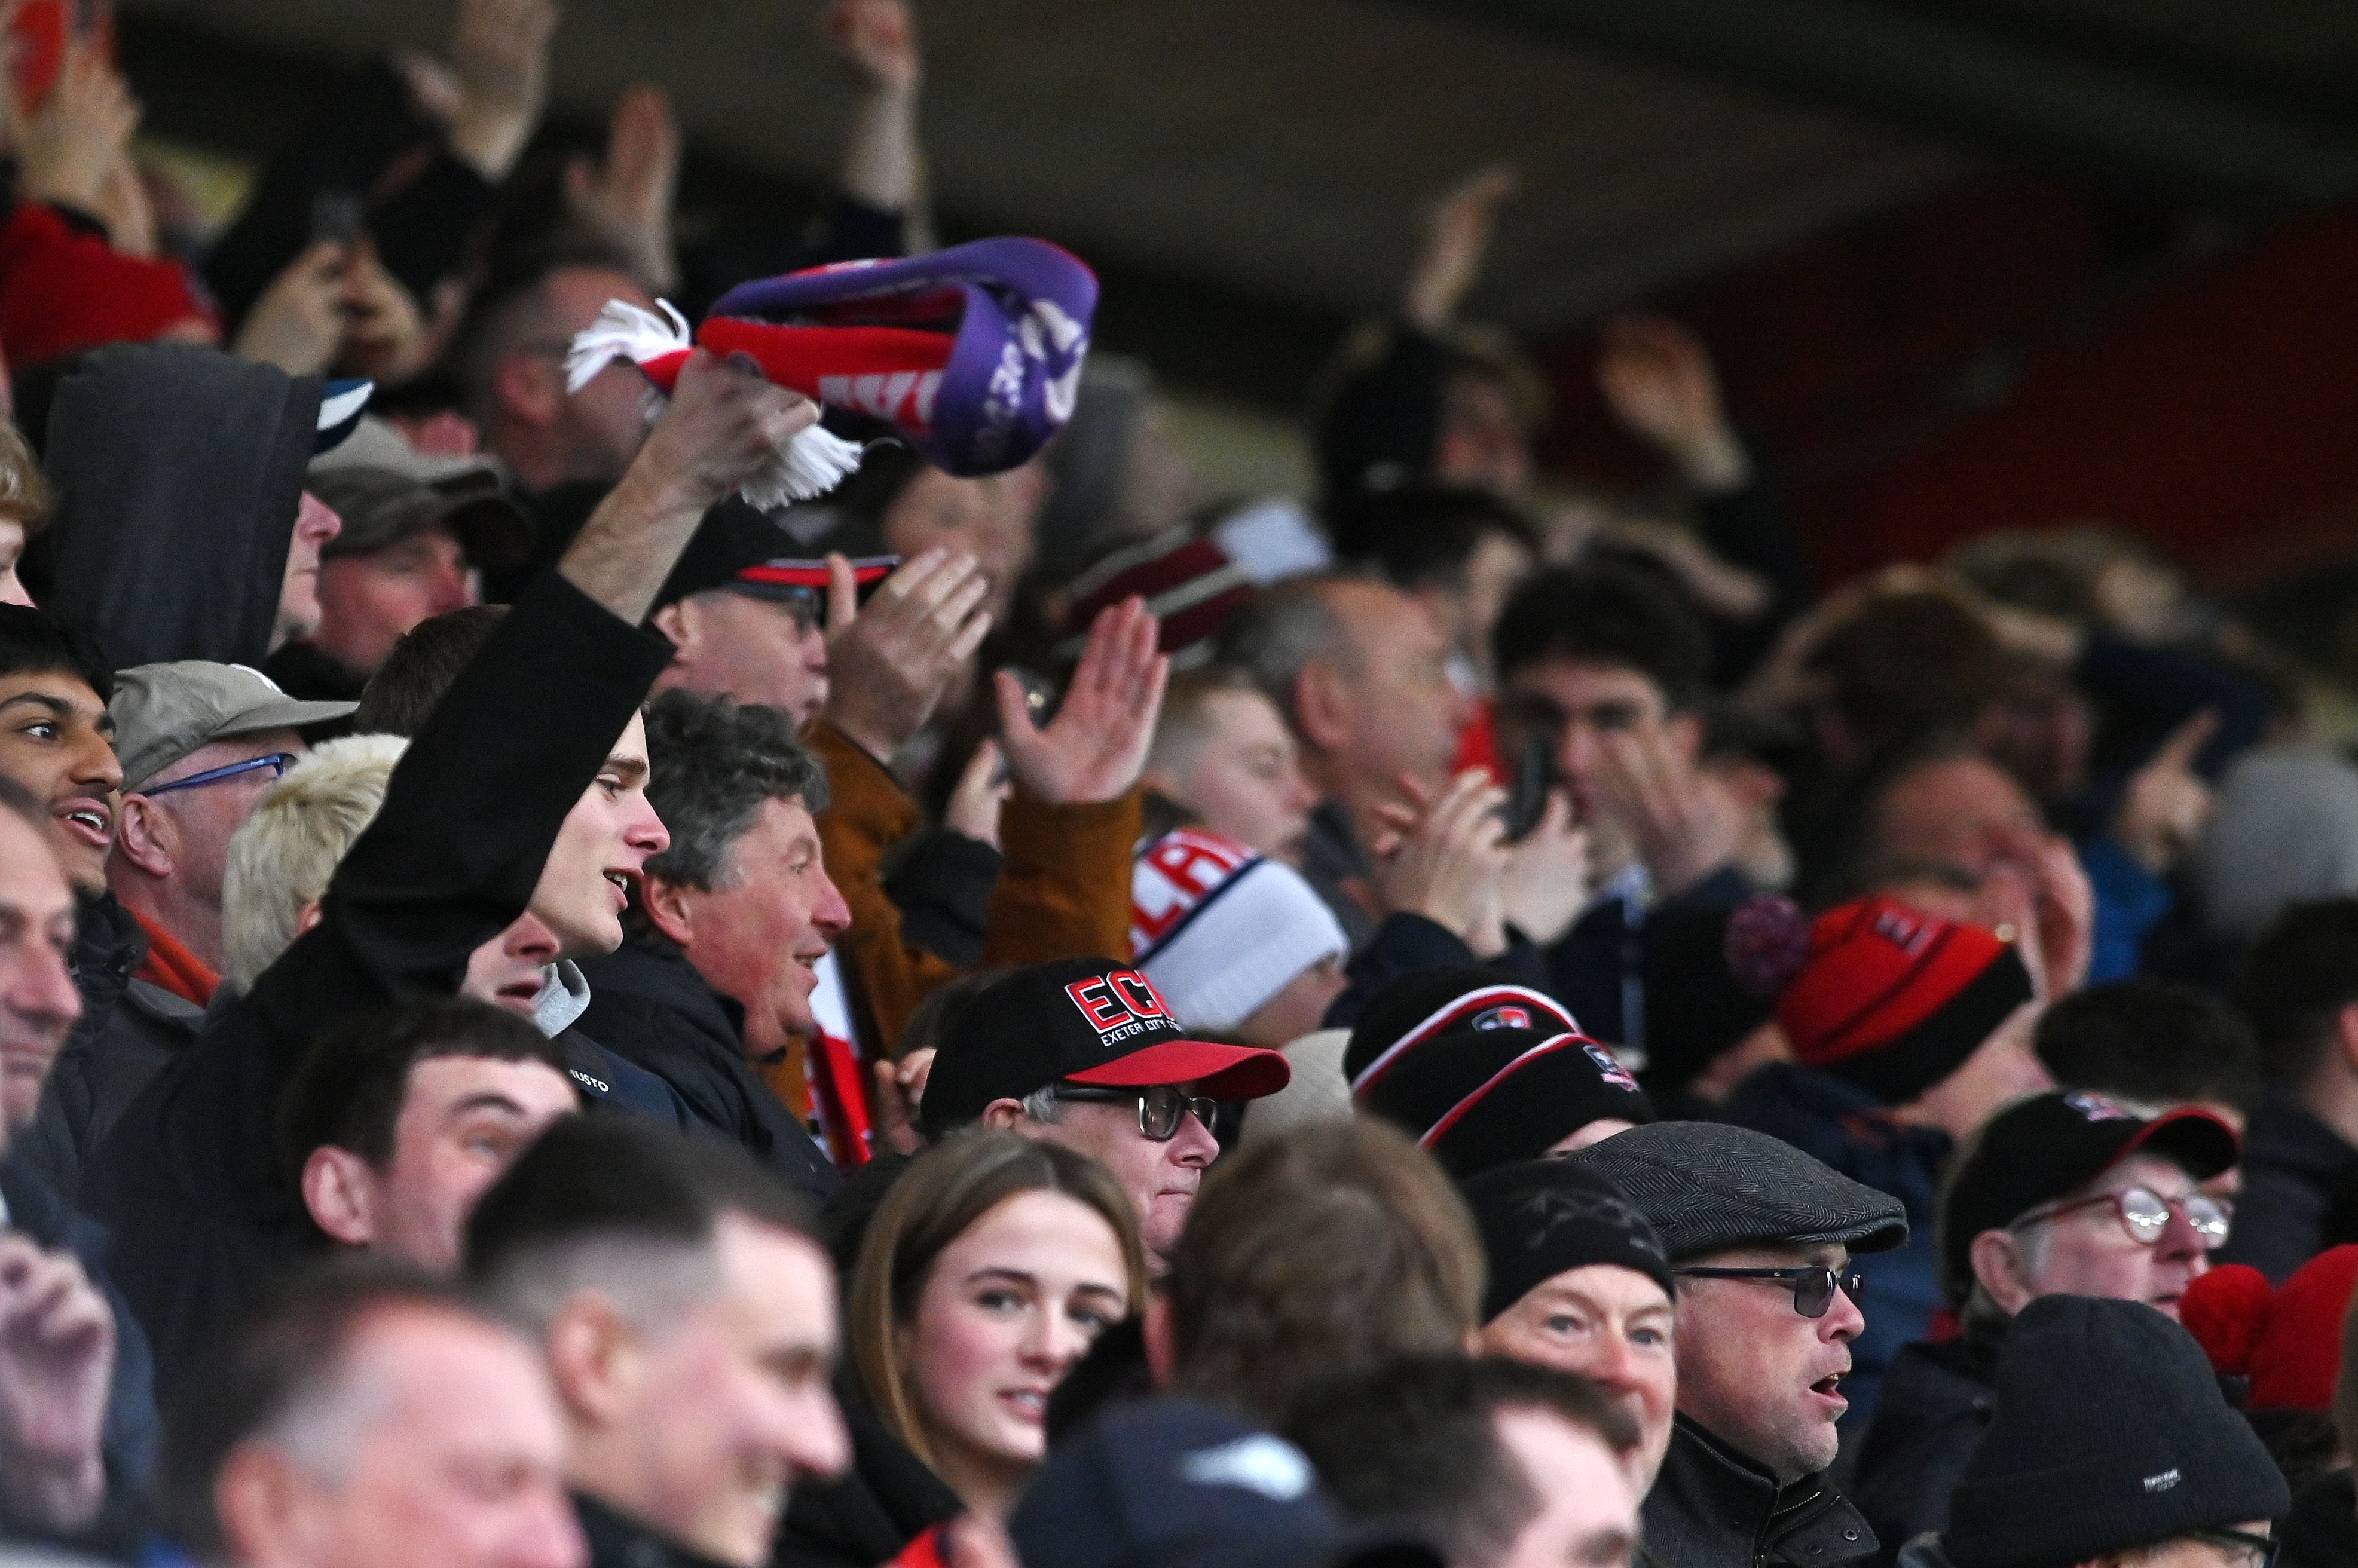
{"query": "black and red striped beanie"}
pixel 1895 1000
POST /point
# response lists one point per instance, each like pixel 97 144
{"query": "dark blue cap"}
pixel 1169 1484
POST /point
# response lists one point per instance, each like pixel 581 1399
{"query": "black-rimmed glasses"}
pixel 1159 1106
pixel 2252 1550
pixel 2145 1215
pixel 278 762
pixel 1813 1288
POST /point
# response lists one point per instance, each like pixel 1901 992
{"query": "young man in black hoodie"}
pixel 545 717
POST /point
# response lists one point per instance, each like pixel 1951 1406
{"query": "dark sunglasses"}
pixel 1159 1108
pixel 2145 1215
pixel 278 762
pixel 1813 1288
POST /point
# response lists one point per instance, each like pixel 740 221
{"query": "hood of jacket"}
pixel 179 473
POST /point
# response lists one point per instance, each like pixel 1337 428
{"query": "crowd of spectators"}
pixel 555 1011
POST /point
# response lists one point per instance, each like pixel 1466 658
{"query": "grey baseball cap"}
pixel 1708 1187
pixel 382 506
pixel 164 712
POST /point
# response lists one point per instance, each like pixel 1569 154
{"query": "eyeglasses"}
pixel 278 762
pixel 1813 1289
pixel 2253 1551
pixel 1159 1108
pixel 2145 1215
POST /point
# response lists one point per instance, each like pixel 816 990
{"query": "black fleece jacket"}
pixel 191 1180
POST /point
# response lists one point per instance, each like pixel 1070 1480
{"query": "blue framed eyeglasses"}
pixel 278 762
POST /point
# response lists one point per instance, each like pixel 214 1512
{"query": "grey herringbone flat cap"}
pixel 1708 1187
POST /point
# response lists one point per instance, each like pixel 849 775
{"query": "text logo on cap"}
pixel 1903 931
pixel 2095 1107
pixel 1118 1006
pixel 1611 1071
pixel 1502 1018
pixel 1269 1466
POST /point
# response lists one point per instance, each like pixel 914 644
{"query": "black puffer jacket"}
pixel 867 1515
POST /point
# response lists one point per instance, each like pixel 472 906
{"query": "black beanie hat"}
pixel 1544 1216
pixel 1479 1099
pixel 1423 1004
pixel 2110 1433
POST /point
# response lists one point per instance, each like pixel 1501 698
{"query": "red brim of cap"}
pixel 2201 1142
pixel 1222 1072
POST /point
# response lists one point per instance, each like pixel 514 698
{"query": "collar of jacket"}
pixel 618 1540
pixel 108 943
pixel 1713 1507
pixel 654 968
pixel 2287 1132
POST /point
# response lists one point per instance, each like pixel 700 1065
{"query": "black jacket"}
pixel 179 472
pixel 2294 1165
pixel 95 1079
pixel 191 1180
pixel 132 1430
pixel 1936 1404
pixel 864 1516
pixel 1712 1508
pixel 618 1540
pixel 649 1006
pixel 2322 1529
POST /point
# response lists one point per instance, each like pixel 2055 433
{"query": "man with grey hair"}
pixel 369 1417
pixel 1759 1237
pixel 689 1324
pixel 2062 1194
pixel 729 925
pixel 1361 674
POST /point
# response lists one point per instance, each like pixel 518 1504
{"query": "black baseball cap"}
pixel 1173 1484
pixel 1426 1002
pixel 1081 1020
pixel 740 548
pixel 1478 1099
pixel 2036 1150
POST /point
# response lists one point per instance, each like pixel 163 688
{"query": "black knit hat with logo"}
pixel 2110 1433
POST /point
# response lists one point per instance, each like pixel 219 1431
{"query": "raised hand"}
pixel 1683 831
pixel 974 805
pixel 67 148
pixel 1456 237
pixel 1446 859
pixel 878 40
pixel 1095 747
pixel 724 426
pixel 57 1362
pixel 299 323
pixel 626 198
pixel 2167 802
pixel 889 663
pixel 1546 883
pixel 1657 379
pixel 498 64
pixel 385 335
pixel 900 1089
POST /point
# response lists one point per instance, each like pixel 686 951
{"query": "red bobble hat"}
pixel 1895 1000
pixel 2288 1341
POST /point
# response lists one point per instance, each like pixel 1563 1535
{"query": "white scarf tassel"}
pixel 813 462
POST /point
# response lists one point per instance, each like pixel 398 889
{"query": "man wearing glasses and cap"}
pixel 1085 1053
pixel 2064 1193
pixel 198 743
pixel 1760 1238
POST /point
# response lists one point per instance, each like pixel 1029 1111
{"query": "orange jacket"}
pixel 1064 891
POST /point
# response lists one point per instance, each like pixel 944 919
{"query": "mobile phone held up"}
pixel 1527 794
